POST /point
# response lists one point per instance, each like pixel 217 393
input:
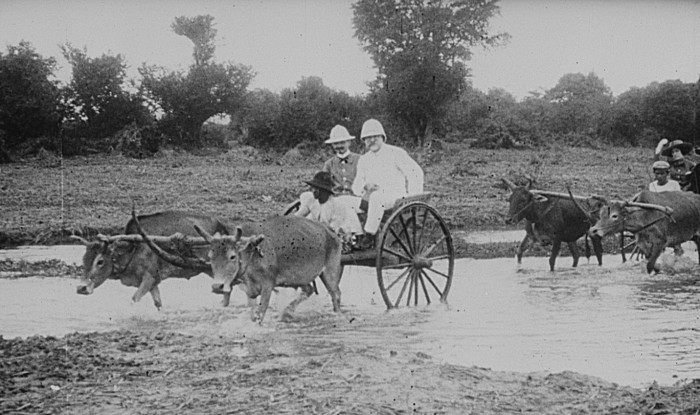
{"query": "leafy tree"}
pixel 29 99
pixel 626 120
pixel 187 100
pixel 669 109
pixel 420 48
pixel 579 104
pixel 304 114
pixel 97 94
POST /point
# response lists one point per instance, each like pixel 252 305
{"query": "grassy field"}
pixel 43 203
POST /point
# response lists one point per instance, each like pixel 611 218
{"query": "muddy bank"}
pixel 162 370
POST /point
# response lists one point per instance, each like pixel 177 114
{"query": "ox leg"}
pixel 147 284
pixel 331 279
pixel 522 248
pixel 306 292
pixel 573 248
pixel 651 262
pixel 597 242
pixel 556 246
pixel 155 294
pixel 265 295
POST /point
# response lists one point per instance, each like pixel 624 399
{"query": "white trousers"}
pixel 379 201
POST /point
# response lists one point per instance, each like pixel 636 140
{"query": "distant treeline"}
pixel 100 110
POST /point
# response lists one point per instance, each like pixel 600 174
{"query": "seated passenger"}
pixel 321 204
pixel 342 168
pixel 680 169
pixel 385 173
pixel 662 182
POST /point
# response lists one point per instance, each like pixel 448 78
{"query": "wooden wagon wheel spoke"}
pixel 438 272
pixel 397 254
pixel 397 266
pixel 407 246
pixel 406 249
pixel 430 280
pixel 421 276
pixel 422 225
pixel 432 247
pixel 403 274
pixel 403 289
pixel 439 257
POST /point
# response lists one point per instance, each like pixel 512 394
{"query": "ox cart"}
pixel 414 253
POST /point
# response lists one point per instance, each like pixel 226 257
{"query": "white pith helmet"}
pixel 372 127
pixel 338 134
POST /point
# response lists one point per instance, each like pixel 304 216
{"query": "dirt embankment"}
pixel 181 366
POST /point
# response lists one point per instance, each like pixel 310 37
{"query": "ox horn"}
pixel 665 209
pixel 510 184
pixel 207 237
pixel 177 260
pixel 81 239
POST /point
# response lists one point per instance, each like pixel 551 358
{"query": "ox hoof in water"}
pixel 84 290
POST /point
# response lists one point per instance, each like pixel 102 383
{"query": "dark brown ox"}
pixel 553 219
pixel 657 220
pixel 133 263
pixel 283 251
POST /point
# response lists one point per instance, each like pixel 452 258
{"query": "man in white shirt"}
pixel 663 183
pixel 385 173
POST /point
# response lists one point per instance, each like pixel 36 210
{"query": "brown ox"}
pixel 553 218
pixel 283 251
pixel 125 259
pixel 657 220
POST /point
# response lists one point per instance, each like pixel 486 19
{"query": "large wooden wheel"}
pixel 415 257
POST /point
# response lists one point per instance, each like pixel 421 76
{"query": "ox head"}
pixel 613 215
pixel 230 257
pixel 102 258
pixel 521 201
pixel 611 218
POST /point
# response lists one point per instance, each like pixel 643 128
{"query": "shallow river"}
pixel 615 321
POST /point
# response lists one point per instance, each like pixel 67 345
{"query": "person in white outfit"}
pixel 662 183
pixel 385 173
pixel 325 207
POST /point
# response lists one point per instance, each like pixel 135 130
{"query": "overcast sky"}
pixel 626 42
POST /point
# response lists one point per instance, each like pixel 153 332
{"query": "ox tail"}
pixel 587 247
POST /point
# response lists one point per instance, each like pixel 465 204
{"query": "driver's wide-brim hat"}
pixel 339 134
pixel 684 147
pixel 322 180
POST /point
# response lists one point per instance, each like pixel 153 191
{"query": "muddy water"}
pixel 615 321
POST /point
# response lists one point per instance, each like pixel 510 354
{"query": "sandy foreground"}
pixel 187 364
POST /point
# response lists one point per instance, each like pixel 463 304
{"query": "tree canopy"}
pixel 420 48
pixel 189 99
pixel 30 104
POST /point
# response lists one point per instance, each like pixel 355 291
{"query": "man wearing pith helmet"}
pixel 385 173
pixel 343 166
pixel 341 169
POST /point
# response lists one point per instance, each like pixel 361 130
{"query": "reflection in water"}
pixel 614 321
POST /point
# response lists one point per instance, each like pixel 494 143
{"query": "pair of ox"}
pixel 553 218
pixel 278 252
pixel 657 220
pixel 127 259
pixel 282 251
